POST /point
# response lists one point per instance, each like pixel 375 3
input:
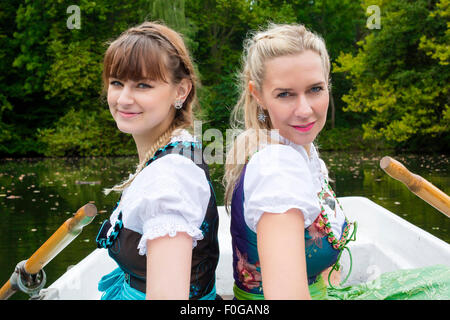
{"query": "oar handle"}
pixel 418 185
pixel 68 231
pixel 6 291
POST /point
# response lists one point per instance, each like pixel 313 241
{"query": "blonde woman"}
pixel 281 203
pixel 163 232
pixel 288 228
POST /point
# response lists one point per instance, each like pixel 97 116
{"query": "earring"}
pixel 261 115
pixel 178 104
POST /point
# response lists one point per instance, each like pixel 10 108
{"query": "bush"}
pixel 348 139
pixel 86 133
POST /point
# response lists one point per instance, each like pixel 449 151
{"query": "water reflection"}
pixel 38 195
pixel 359 174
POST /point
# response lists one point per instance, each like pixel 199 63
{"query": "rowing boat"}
pixel 384 242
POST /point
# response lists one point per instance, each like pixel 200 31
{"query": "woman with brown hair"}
pixel 163 231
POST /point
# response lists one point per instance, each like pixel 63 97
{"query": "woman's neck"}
pixel 143 144
pixel 145 141
pixel 307 149
pixel 276 134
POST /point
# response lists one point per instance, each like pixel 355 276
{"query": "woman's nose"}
pixel 303 108
pixel 125 97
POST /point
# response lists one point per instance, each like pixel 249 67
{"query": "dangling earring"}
pixel 261 115
pixel 178 104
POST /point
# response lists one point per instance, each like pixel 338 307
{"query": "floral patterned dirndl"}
pixel 322 248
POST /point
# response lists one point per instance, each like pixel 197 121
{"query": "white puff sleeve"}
pixel 277 179
pixel 171 195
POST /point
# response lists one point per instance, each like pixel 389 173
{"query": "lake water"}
pixel 38 195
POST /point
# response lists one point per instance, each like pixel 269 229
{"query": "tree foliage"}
pixel 391 84
pixel 400 77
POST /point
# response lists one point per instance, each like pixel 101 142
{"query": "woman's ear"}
pixel 255 93
pixel 183 89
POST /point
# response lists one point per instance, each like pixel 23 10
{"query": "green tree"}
pixel 84 133
pixel 55 69
pixel 46 68
pixel 340 24
pixel 74 78
pixel 173 14
pixel 394 82
pixel 400 75
pixel 221 27
pixel 6 59
pixel 221 32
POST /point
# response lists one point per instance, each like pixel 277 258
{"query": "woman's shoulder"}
pixel 172 177
pixel 277 164
pixel 319 162
pixel 170 166
pixel 277 154
pixel 165 163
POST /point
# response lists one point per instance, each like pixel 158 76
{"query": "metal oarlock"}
pixel 30 284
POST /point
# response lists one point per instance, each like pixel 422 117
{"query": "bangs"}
pixel 135 58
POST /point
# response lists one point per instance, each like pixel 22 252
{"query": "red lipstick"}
pixel 304 128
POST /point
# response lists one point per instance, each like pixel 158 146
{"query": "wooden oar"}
pixel 68 231
pixel 418 185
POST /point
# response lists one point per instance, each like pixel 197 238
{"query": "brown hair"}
pixel 152 50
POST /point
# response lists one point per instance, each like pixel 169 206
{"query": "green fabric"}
pixel 427 283
pixel 244 295
pixel 317 290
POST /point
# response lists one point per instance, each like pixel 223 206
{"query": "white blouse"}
pixel 168 196
pixel 280 177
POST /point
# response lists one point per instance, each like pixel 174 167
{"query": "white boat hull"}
pixel 384 242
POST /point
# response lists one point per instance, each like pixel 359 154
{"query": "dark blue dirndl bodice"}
pixel 122 243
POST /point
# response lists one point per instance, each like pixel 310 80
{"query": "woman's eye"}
pixel 115 83
pixel 283 94
pixel 316 89
pixel 144 86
